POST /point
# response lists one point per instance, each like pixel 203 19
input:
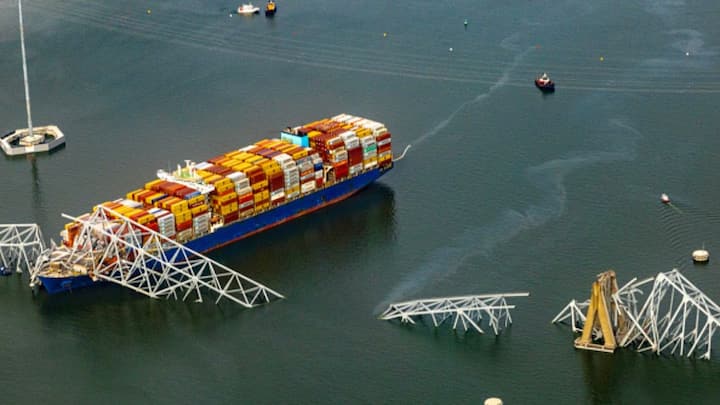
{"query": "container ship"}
pixel 229 197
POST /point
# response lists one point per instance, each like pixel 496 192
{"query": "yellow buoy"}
pixel 149 11
pixel 602 58
pixel 384 34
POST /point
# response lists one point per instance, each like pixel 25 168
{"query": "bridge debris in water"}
pixel 20 246
pixel 466 310
pixel 676 317
pixel 110 247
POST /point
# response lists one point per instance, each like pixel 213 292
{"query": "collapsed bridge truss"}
pixel 468 311
pixel 118 250
pixel 676 317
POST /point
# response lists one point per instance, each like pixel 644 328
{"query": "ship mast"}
pixel 25 74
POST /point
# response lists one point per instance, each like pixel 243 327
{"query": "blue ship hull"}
pixel 250 226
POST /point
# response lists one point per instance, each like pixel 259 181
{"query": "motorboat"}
pixel 544 83
pixel 270 8
pixel 248 9
pixel 664 198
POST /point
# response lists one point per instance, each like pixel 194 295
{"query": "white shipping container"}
pixel 202 165
pixel 319 174
pixel 131 203
pixel 293 194
pixel 384 142
pixel 243 191
pixel 246 204
pixel 307 177
pixel 242 184
pixel 352 144
pixel 339 155
pixel 307 187
pixel 355 169
pixel 277 194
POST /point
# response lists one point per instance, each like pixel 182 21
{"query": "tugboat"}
pixel 270 8
pixel 545 84
pixel 664 198
pixel 248 9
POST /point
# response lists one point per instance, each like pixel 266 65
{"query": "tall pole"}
pixel 25 74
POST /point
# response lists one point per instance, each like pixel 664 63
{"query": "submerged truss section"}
pixel 112 248
pixel 675 318
pixel 20 246
pixel 469 311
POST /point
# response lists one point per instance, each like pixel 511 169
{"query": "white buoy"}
pixel 450 50
pixel 493 401
pixel 700 256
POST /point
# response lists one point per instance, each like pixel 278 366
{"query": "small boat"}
pixel 544 83
pixel 248 9
pixel 270 8
pixel 700 256
pixel 4 271
pixel 664 198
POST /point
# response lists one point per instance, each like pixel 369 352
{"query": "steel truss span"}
pixel 121 251
pixel 468 311
pixel 20 246
pixel 675 318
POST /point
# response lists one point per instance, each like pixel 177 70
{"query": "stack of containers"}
pixel 224 199
pixel 165 221
pixel 289 169
pixel 306 173
pixel 354 152
pixel 318 168
pixel 246 203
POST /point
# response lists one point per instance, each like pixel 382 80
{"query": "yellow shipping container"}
pixel 179 206
pixel 266 194
pixel 149 199
pixel 149 185
pixel 242 167
pixel 222 188
pixel 300 154
pixel 313 134
pixel 228 209
pixel 233 154
pixel 221 161
pixel 260 185
pixel 198 199
pixel 145 219
pixel 131 195
pixel 257 197
pixel 223 199
pixel 199 209
pixel 255 158
pixel 204 173
pixel 182 216
pixel 263 143
pixel 262 207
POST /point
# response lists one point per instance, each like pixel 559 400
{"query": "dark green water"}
pixel 503 190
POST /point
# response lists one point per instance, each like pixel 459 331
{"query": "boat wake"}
pixel 549 177
pixel 479 98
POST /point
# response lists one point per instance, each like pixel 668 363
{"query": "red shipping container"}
pixel 386 135
pixel 153 225
pixel 341 169
pixel 181 226
pixel 217 159
pixel 245 198
pixel 181 193
pixel 384 148
pixel 355 156
pixel 230 217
